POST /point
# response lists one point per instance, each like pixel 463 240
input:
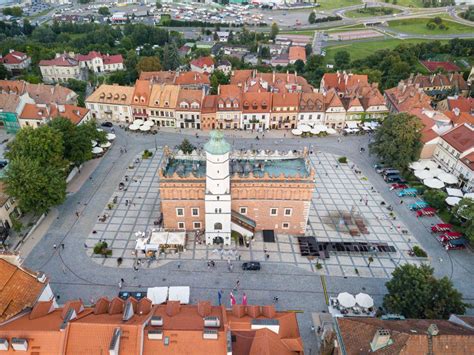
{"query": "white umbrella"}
pixel 454 192
pixel 100 130
pixel 429 164
pixel 133 127
pixel 452 201
pixel 436 171
pixel 149 123
pixel 138 122
pixel 346 300
pixel 448 178
pixel 434 183
pixel 304 128
pixel 315 131
pixel 469 195
pixel 144 128
pixel 97 150
pixel 111 136
pixel 296 132
pixel 106 145
pixel 321 128
pixel 416 165
pixel 331 131
pixel 423 174
pixel 94 143
pixel 364 300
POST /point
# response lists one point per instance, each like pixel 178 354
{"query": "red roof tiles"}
pixel 202 62
pixel 460 138
pixel 434 66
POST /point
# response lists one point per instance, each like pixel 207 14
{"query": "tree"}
pixel 186 146
pixel 274 30
pixel 148 64
pixel 3 72
pixel 158 4
pixel 104 11
pixel 312 17
pixel 218 78
pixel 397 141
pixel 299 66
pixel 342 59
pixel 414 292
pixel 15 11
pixel 435 198
pixel 465 211
pixel 170 57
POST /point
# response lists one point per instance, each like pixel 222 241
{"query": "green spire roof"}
pixel 217 145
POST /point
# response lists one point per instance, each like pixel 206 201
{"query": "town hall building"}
pixel 221 191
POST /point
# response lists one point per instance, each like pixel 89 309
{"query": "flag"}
pixel 219 297
pixel 232 299
pixel 244 299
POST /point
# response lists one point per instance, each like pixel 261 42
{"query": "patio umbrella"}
pixel 452 201
pixel 304 128
pixel 315 131
pixel 106 145
pixel 434 183
pixel 321 127
pixel 94 143
pixel 429 164
pixel 364 300
pixel 454 192
pixel 138 122
pixel 144 128
pixel 346 300
pixel 111 136
pixel 416 165
pixel 469 195
pixel 331 131
pixel 133 127
pixel 436 171
pixel 448 178
pixel 296 132
pixel 423 174
pixel 97 150
pixel 149 123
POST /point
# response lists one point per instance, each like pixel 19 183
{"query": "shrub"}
pixel 147 154
pixel 419 252
pixel 100 248
pixel 342 160
pixel 319 266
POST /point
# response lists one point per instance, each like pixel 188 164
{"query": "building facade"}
pixel 111 102
pixel 61 69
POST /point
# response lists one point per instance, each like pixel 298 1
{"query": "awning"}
pixel 416 165
pixel 423 174
pixel 157 295
pixel 149 123
pixel 133 127
pixel 179 293
pixel 296 132
pixel 168 238
pixel 138 122
pixel 304 128
pixel 106 145
pixel 145 128
pixel 111 136
pixel 97 150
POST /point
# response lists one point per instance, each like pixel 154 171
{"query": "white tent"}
pixel 352 125
pixel 138 122
pixel 423 174
pixel 106 145
pixel 436 171
pixel 141 244
pixel 179 293
pixel 331 131
pixel 448 178
pixel 416 165
pixel 304 128
pixel 453 201
pixel 97 150
pixel 454 192
pixel 145 128
pixel 296 132
pixel 166 238
pixel 346 300
pixel 111 136
pixel 364 300
pixel 133 127
pixel 149 123
pixel 434 183
pixel 157 295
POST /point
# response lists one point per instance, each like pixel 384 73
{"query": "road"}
pixel 74 274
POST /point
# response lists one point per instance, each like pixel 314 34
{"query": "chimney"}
pixel 287 76
pixel 172 308
pixel 204 308
pixel 273 76
pixel 253 311
pixel 238 310
pixel 433 330
pixel 381 339
pixel 268 311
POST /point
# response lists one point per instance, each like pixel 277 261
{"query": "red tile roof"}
pixel 463 104
pixel 296 53
pixel 14 57
pixel 202 62
pixel 468 160
pixel 63 60
pixel 192 78
pixel 405 97
pixel 460 117
pixel 460 138
pixel 434 66
pixel 290 99
pixel 40 93
pixel 342 81
pixel 257 102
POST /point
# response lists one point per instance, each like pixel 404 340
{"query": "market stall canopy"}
pixel 453 201
pixel 454 192
pixel 315 131
pixel 111 136
pixel 133 127
pixel 436 171
pixel 304 128
pixel 296 132
pixel 145 128
pixel 167 238
pixel 97 150
pixel 428 164
pixel 179 293
pixel 157 295
pixel 320 127
pixel 138 122
pixel 423 174
pixel 433 183
pixel 448 178
pixel 364 300
pixel 352 125
pixel 346 300
pixel 106 145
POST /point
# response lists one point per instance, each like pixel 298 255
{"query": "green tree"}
pixel 104 11
pixel 465 211
pixel 274 30
pixel 414 292
pixel 148 64
pixel 3 72
pixel 299 66
pixel 218 78
pixel 170 57
pixel 312 17
pixel 186 146
pixel 397 141
pixel 15 11
pixel 158 4
pixel 342 59
pixel 435 198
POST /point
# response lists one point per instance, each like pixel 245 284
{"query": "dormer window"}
pixel 195 105
pixel 142 99
pixel 135 99
pixel 221 105
pixel 116 96
pixel 236 104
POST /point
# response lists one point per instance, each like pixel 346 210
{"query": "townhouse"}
pixel 405 97
pixel 61 69
pixel 256 111
pixel 229 107
pixel 203 65
pixel 284 110
pixel 100 63
pixel 188 109
pixel 111 103
pixel 209 112
pixel 439 85
pixel 15 61
pixel 141 99
pixel 311 110
pixel 162 106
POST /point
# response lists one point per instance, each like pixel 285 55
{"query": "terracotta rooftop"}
pixel 159 77
pixel 405 97
pixel 14 57
pixel 40 93
pixel 9 102
pixel 107 59
pixel 188 97
pixel 202 62
pixel 63 60
pixel 257 102
pixel 286 99
pixel 310 102
pixel 141 94
pixel 19 289
pixel 468 160
pixel 343 81
pixel 192 78
pixel 112 94
pixel 459 118
pixel 454 80
pixel 434 66
pixel 209 104
pixel 463 104
pixel 460 138
pixel 297 53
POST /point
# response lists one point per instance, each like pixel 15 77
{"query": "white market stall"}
pixel 469 195
pixel 315 131
pixel 97 150
pixel 436 171
pixel 94 143
pixel 111 136
pixel 434 183
pixel 149 123
pixel 423 174
pixel 157 295
pixel 179 293
pixel 331 131
pixel 304 128
pixel 138 122
pixel 133 127
pixel 296 132
pixel 167 242
pixel 321 128
pixel 145 128
pixel 106 145
pixel 416 165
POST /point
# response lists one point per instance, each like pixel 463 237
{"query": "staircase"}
pixel 242 224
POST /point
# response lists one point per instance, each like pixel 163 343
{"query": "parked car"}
pixel 455 244
pixel 379 168
pixel 107 124
pixel 395 179
pixel 388 172
pixel 251 265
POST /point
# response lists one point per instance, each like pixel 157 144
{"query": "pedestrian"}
pixel 239 256
pixel 179 265
pixel 85 246
pixel 62 246
pixel 77 214
pixel 275 299
pixel 122 280
pixel 58 297
pixel 268 256
pixel 120 284
pixel 401 202
pixel 54 246
pixel 237 284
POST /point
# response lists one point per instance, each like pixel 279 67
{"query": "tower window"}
pixel 217 226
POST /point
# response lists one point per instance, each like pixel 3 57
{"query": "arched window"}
pixel 217 226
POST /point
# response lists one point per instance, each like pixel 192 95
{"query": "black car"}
pixel 251 265
pixel 395 179
pixel 107 124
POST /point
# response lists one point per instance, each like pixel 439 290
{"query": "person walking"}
pixel 120 284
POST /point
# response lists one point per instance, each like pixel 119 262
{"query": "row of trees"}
pixel 41 158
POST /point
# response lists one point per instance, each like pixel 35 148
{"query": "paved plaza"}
pixel 338 189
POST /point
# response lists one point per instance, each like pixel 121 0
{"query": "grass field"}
pixel 361 50
pixel 335 4
pixel 332 29
pixel 418 26
pixel 357 14
pixel 410 3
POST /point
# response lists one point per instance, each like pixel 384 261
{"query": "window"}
pixel 285 225
pixel 181 225
pixel 288 211
pixel 195 211
pixel 243 210
pixel 197 225
pixel 273 211
pixel 217 226
pixel 180 212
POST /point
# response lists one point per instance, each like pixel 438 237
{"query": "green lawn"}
pixel 377 12
pixel 361 50
pixel 410 3
pixel 311 32
pixel 336 4
pixel 418 26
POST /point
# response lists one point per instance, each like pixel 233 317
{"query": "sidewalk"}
pixel 276 133
pixel 87 169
